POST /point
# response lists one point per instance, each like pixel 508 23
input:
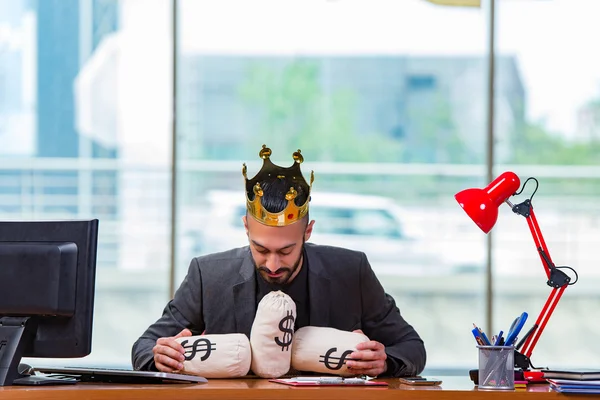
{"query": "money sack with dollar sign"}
pixel 272 335
pixel 324 350
pixel 216 356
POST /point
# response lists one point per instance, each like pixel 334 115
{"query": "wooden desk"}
pixel 454 388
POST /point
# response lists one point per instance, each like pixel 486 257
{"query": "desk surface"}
pixel 457 388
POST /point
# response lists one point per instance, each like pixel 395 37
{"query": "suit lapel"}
pixel 318 289
pixel 244 298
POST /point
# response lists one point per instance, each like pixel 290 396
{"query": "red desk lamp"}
pixel 482 206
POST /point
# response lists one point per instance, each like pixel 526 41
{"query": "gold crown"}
pixel 254 193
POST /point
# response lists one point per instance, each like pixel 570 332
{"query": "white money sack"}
pixel 216 356
pixel 324 350
pixel 272 335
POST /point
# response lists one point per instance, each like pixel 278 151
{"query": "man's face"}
pixel 277 250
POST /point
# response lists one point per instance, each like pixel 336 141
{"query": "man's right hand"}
pixel 168 354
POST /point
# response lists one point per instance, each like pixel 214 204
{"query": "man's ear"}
pixel 308 230
pixel 245 220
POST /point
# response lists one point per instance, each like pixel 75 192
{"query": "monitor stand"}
pixel 16 333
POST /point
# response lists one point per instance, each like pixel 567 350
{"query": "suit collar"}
pixel 244 296
pixel 319 284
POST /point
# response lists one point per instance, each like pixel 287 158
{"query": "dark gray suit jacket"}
pixel 218 296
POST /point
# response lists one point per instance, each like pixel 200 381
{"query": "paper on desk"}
pixel 327 381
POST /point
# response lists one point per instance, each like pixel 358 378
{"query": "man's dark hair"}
pixel 274 190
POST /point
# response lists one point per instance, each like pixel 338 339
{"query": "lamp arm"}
pixel 557 279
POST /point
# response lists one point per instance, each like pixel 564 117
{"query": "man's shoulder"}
pixel 231 258
pixel 324 248
pixel 335 253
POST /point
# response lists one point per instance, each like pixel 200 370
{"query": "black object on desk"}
pixel 474 375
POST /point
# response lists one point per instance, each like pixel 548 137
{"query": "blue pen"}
pixel 478 338
pixel 486 341
pixel 515 328
pixel 499 339
pixel 483 336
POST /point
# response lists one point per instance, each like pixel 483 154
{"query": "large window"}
pixel 558 143
pixel 84 133
pixel 386 111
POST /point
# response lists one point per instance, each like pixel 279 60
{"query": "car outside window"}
pixel 375 223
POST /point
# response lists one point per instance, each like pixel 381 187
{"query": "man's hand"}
pixel 168 354
pixel 369 359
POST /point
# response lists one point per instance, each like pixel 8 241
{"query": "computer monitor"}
pixel 47 283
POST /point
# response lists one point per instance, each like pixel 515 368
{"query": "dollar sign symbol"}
pixel 201 344
pixel 285 326
pixel 340 360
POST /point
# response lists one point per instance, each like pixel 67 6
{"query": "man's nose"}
pixel 272 263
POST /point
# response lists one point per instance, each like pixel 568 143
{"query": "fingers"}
pixel 172 343
pixel 368 371
pixel 370 345
pixel 366 358
pixel 171 349
pixel 166 364
pixel 169 354
pixel 369 359
pixel 185 332
pixel 370 366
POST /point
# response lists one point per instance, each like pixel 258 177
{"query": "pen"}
pixel 483 336
pixel 498 339
pixel 485 339
pixel 317 378
pixel 355 381
pixel 478 338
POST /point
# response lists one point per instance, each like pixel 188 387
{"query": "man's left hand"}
pixel 369 359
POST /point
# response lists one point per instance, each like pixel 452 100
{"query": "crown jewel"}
pixel 254 192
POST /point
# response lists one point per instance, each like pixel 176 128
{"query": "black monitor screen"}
pixel 54 267
pixel 47 283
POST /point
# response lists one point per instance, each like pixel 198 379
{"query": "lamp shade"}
pixel 482 204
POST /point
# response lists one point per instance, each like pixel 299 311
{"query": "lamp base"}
pixel 522 361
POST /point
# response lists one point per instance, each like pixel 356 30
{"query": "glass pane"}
pixel 387 111
pixel 84 131
pixel 556 141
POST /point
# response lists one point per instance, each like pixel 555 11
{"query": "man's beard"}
pixel 287 271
